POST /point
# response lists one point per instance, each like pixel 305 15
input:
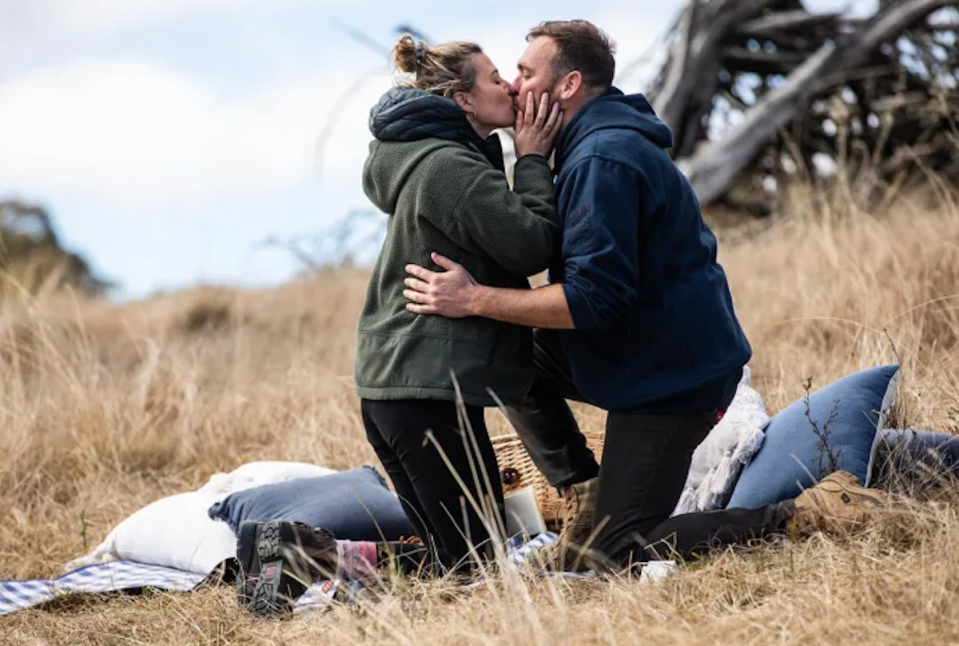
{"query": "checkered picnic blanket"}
pixel 98 578
pixel 519 550
pixel 127 575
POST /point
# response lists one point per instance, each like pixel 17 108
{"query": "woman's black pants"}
pixel 449 485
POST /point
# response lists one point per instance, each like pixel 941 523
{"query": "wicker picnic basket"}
pixel 517 471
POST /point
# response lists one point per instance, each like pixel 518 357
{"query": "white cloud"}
pixel 38 29
pixel 101 16
pixel 136 154
pixel 37 18
pixel 92 122
pixel 124 132
pixel 128 131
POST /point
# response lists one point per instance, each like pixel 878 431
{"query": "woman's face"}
pixel 491 98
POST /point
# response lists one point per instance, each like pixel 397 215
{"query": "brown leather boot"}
pixel 579 506
pixel 837 505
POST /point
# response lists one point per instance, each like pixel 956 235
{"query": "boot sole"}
pixel 266 598
pixel 276 588
pixel 249 563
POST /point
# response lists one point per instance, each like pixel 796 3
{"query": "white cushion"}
pixel 174 532
pixel 256 474
pixel 177 531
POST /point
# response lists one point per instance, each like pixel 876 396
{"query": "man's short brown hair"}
pixel 580 46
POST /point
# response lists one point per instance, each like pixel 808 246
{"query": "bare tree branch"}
pixel 713 167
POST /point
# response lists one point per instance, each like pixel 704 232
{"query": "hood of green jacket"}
pixel 415 123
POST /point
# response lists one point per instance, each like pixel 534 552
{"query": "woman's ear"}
pixel 462 100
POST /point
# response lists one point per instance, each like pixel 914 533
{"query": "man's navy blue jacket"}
pixel 655 326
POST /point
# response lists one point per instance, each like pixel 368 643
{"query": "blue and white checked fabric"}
pixel 101 577
pixel 125 575
pixel 520 551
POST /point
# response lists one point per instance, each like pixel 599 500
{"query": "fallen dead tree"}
pixel 757 90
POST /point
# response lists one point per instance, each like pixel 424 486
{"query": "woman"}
pixel 435 169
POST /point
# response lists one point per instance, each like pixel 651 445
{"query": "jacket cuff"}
pixel 526 160
pixel 579 309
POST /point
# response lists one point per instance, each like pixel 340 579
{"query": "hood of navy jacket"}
pixel 613 109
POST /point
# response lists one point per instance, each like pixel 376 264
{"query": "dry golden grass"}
pixel 106 408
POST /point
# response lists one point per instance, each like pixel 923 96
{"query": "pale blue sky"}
pixel 169 138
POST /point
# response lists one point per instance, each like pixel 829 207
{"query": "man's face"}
pixel 535 71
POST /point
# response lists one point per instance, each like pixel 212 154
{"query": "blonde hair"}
pixel 443 70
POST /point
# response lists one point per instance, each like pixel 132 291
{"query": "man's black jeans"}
pixel 433 498
pixel 645 463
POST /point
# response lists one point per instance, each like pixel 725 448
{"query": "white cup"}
pixel 522 513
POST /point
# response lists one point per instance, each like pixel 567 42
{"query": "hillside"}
pixel 106 408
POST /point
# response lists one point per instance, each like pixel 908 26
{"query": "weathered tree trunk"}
pixel 772 62
pixel 687 95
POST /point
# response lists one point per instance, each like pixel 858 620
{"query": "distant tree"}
pixel 32 257
pixel 352 240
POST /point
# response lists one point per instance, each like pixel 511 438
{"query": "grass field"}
pixel 106 408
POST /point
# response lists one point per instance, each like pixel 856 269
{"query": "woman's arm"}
pixel 517 228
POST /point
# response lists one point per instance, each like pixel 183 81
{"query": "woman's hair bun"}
pixel 443 70
pixel 405 54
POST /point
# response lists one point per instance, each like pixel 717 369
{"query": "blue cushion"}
pixel 916 453
pixel 791 458
pixel 355 505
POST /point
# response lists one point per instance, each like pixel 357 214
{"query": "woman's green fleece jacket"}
pixel 444 190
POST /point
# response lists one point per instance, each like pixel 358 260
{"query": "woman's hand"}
pixel 536 130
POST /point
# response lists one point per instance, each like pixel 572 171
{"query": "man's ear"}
pixel 569 85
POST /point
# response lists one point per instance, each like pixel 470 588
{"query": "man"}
pixel 637 319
